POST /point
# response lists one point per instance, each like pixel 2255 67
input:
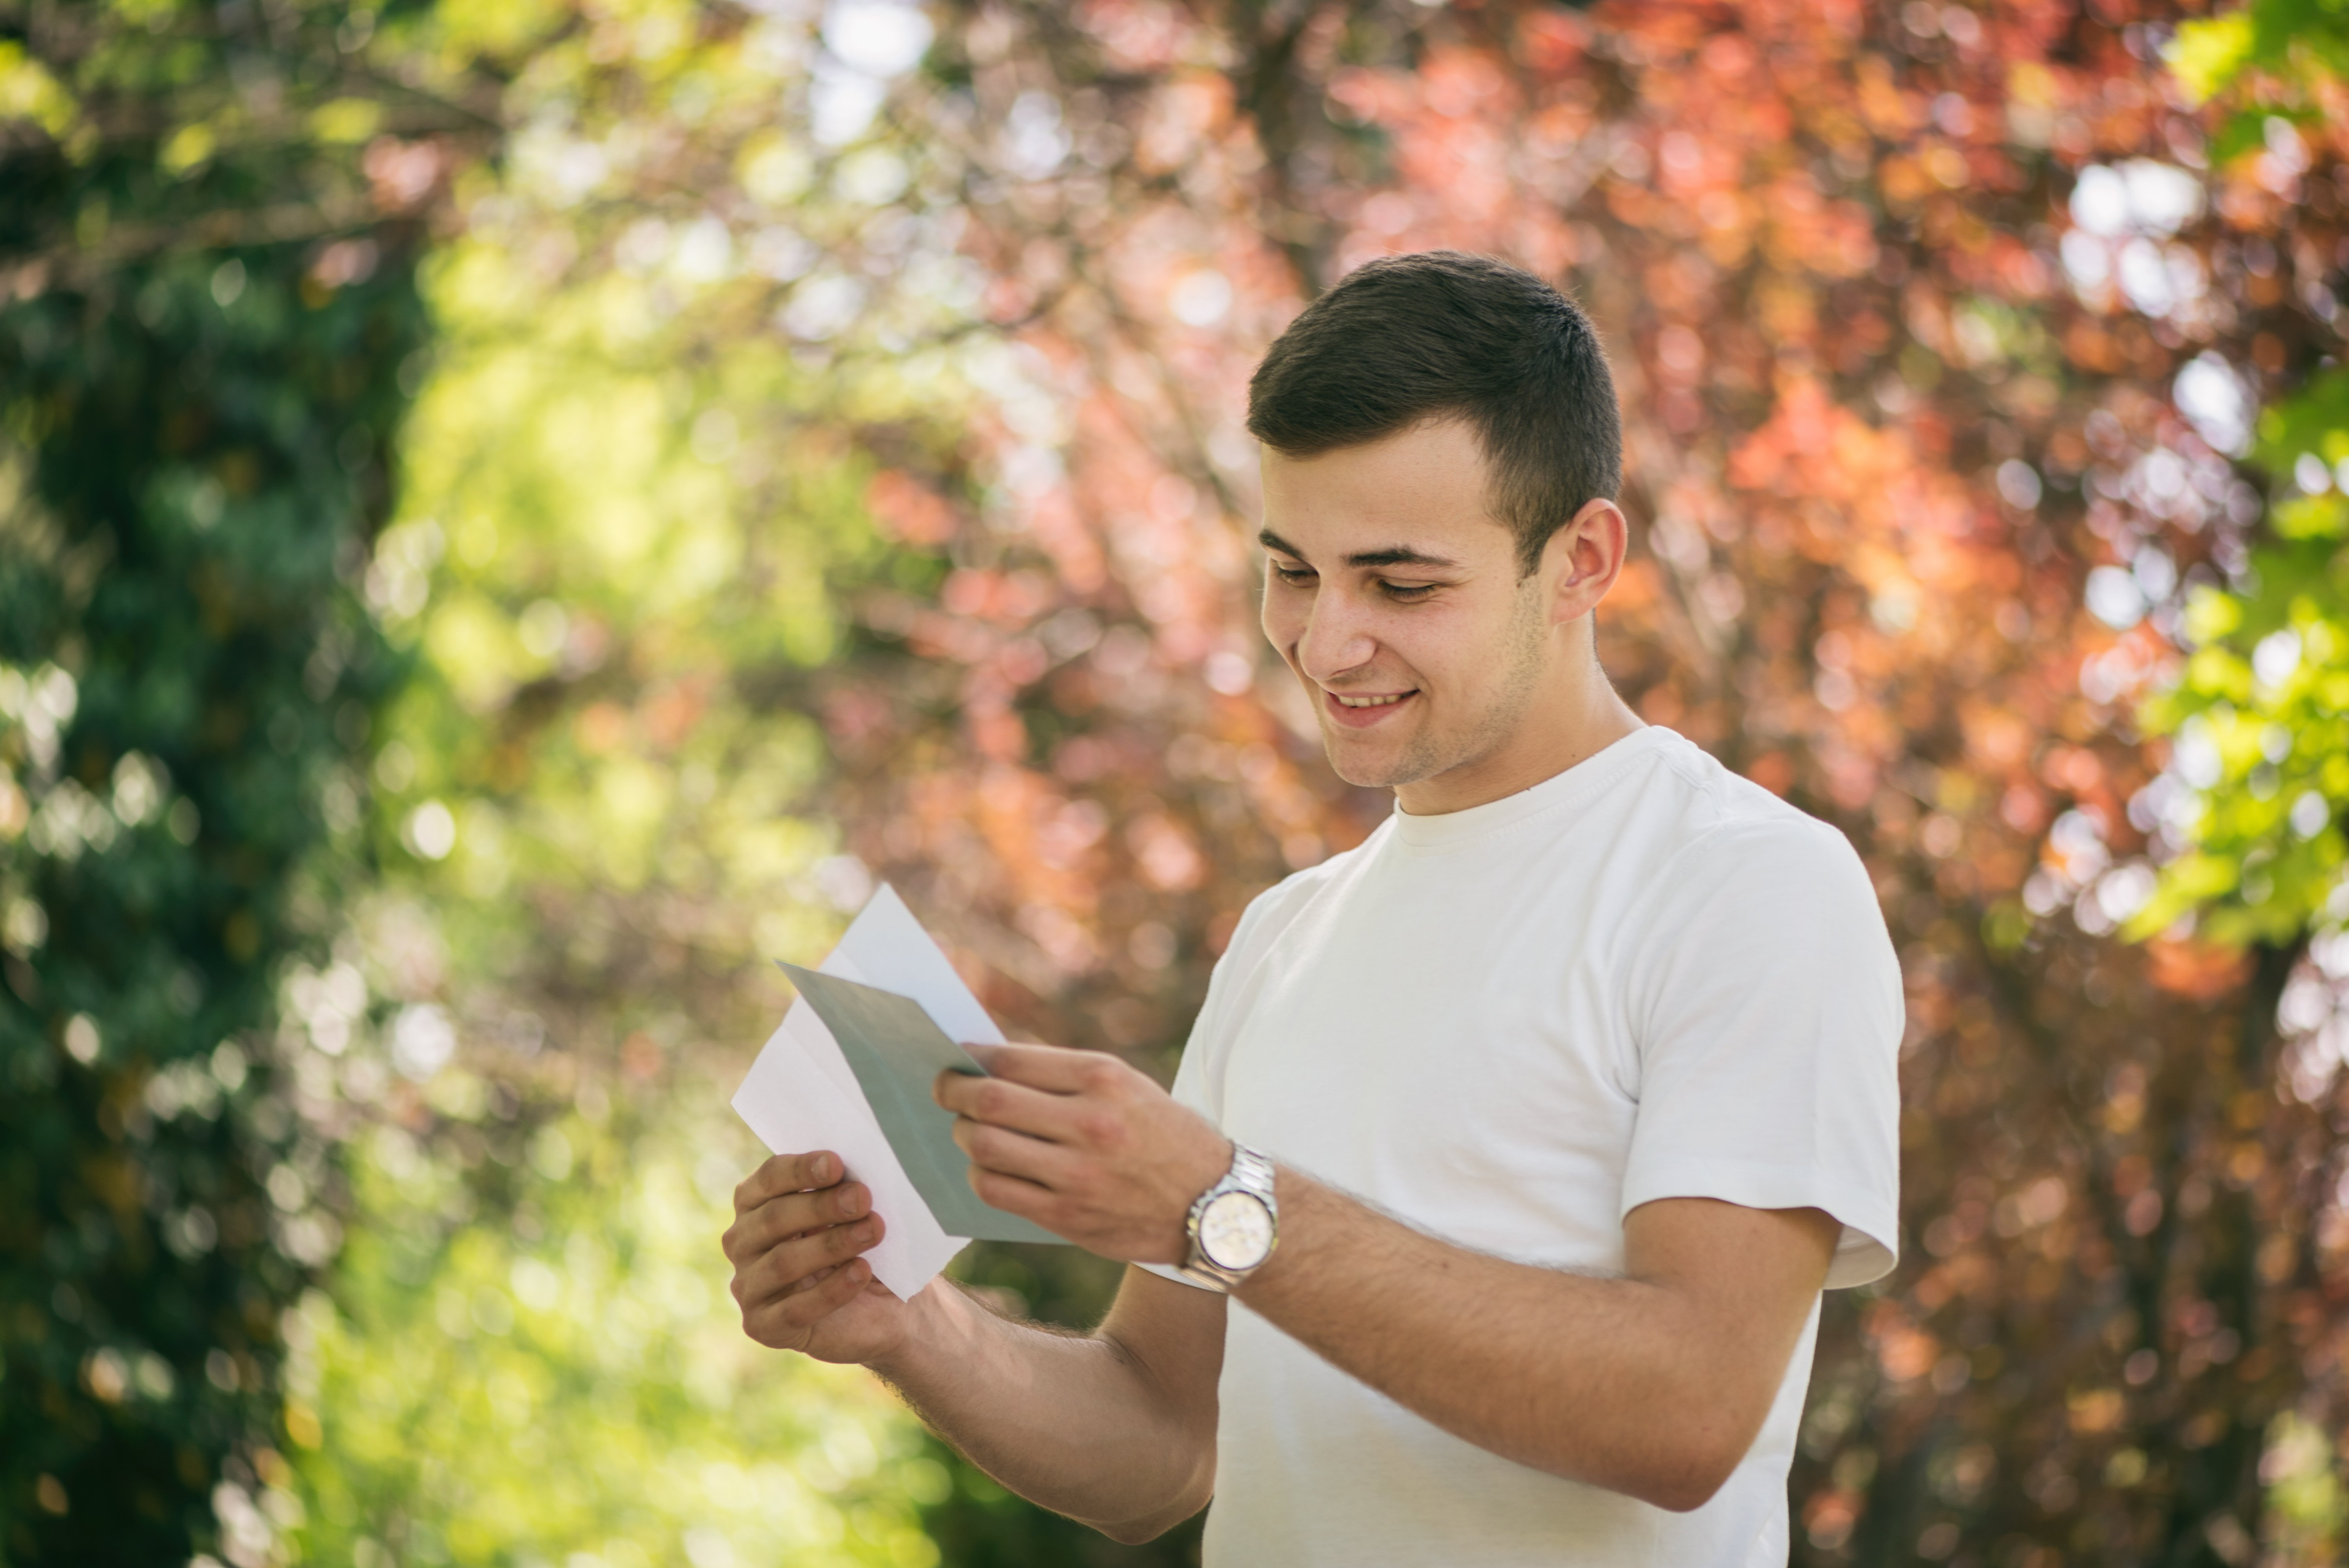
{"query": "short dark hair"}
pixel 1403 340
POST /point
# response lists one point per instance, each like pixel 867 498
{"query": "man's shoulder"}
pixel 1719 827
pixel 1748 888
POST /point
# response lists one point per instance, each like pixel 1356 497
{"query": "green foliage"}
pixel 633 539
pixel 551 1373
pixel 611 630
pixel 2287 39
pixel 2260 713
pixel 594 594
pixel 2281 50
pixel 202 319
pixel 629 534
pixel 185 678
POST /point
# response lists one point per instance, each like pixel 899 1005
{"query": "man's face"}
pixel 1394 595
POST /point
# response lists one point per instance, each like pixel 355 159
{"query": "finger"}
pixel 783 1268
pixel 1054 1068
pixel 1000 1102
pixel 784 1319
pixel 1016 1154
pixel 1015 1195
pixel 787 1174
pixel 795 1213
pixel 768 1281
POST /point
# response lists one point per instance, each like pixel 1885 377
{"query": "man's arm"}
pixel 1654 1384
pixel 1116 1428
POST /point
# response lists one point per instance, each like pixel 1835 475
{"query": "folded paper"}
pixel 898 1052
pixel 804 1093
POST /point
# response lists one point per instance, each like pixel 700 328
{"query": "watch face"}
pixel 1236 1231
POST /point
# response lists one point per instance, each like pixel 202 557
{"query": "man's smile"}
pixel 1359 710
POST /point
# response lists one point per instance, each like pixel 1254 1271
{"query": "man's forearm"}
pixel 1075 1423
pixel 1654 1385
pixel 1621 1383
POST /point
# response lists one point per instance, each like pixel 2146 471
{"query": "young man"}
pixel 1486 1223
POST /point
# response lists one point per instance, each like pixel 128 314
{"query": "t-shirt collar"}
pixel 1593 773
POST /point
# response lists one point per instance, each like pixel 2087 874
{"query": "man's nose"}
pixel 1336 639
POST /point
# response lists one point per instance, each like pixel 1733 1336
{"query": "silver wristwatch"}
pixel 1234 1223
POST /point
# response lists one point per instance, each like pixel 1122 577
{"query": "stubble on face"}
pixel 1468 737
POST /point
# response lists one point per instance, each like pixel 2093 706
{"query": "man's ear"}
pixel 1583 559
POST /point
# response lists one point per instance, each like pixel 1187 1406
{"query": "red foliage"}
pixel 1879 436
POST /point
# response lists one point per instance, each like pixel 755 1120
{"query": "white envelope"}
pixel 801 1096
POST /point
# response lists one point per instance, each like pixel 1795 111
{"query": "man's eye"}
pixel 1292 574
pixel 1408 592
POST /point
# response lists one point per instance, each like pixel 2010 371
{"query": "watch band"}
pixel 1253 1174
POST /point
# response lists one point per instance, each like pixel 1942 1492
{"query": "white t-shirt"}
pixel 1509 1027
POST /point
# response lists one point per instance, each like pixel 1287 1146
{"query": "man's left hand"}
pixel 1085 1145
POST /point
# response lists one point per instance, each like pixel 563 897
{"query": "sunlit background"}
pixel 514 513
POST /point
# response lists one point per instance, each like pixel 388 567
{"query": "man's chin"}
pixel 1365 769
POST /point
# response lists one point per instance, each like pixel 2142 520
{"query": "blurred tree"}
pixel 2251 800
pixel 207 244
pixel 1938 338
pixel 834 471
pixel 630 521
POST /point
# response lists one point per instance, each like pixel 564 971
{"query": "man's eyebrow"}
pixel 1392 555
pixel 1399 555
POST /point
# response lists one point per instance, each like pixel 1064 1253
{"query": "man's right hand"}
pixel 796 1242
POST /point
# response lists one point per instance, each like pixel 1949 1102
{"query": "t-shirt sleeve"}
pixel 1766 1007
